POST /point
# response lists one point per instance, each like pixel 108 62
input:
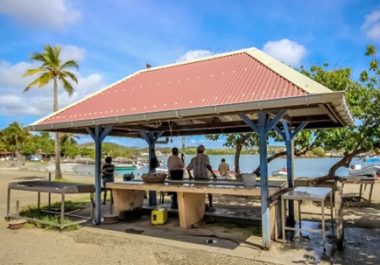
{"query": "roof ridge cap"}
pixel 207 58
pixel 300 80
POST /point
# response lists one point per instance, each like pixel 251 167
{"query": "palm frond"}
pixel 67 86
pixel 69 63
pixel 45 78
pixel 33 71
pixel 38 57
pixel 32 84
pixel 71 75
pixel 51 67
pixel 52 55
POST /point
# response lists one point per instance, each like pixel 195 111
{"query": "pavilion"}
pixel 240 91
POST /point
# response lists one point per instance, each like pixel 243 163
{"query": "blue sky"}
pixel 112 39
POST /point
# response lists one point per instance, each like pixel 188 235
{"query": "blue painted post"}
pixel 288 136
pixel 98 135
pixel 265 124
pixel 151 138
pixel 290 168
pixel 265 221
pixel 152 153
pixel 98 158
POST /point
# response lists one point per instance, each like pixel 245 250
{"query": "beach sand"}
pixel 96 245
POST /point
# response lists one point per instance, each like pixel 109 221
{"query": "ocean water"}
pixel 303 167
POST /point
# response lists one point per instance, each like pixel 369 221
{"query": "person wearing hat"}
pixel 200 165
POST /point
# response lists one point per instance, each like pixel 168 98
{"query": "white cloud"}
pixel 287 51
pixel 371 25
pixel 38 101
pixel 51 14
pixel 194 54
pixel 72 52
pixel 11 74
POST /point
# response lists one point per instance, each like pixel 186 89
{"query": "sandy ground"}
pixel 94 245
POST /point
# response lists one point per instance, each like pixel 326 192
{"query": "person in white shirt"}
pixel 175 169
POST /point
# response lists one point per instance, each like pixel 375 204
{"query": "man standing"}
pixel 175 168
pixel 200 165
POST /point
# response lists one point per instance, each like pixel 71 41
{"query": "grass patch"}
pixel 40 216
pixel 69 206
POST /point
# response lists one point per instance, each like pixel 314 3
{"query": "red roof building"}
pixel 214 88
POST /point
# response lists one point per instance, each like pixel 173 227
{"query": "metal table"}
pixel 362 181
pixel 313 194
pixel 51 187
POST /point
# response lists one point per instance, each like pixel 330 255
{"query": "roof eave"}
pixel 336 99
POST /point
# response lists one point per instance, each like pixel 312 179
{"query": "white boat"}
pixel 282 172
pixel 161 170
pixel 368 170
pixel 372 160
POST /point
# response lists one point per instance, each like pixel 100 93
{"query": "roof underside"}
pixel 203 96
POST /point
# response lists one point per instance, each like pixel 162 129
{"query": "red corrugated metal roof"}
pixel 234 78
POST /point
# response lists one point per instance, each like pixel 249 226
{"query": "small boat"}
pixel 368 170
pixel 282 172
pixel 122 167
pixel 372 160
pixel 161 170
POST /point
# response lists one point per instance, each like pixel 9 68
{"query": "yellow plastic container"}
pixel 159 216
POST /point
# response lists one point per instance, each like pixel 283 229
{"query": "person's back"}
pixel 107 175
pixel 199 165
pixel 108 172
pixel 224 168
pixel 175 165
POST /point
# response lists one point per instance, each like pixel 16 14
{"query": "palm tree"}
pixel 14 136
pixel 53 69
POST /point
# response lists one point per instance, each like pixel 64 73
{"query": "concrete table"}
pixel 129 195
pixel 313 194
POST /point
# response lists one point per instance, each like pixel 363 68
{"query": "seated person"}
pixel 200 164
pixel 107 175
pixel 175 168
pixel 224 168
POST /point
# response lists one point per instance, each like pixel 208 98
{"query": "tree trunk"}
pixel 18 150
pixel 237 158
pixel 57 155
pixel 344 162
pixel 272 157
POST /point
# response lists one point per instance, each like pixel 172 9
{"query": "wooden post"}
pixel 98 161
pixel 49 194
pixel 152 153
pixel 288 137
pixel 151 138
pixel 98 134
pixel 290 174
pixel 339 228
pixel 265 218
pixel 262 128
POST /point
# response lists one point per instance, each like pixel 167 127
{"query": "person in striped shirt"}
pixel 200 165
pixel 107 176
